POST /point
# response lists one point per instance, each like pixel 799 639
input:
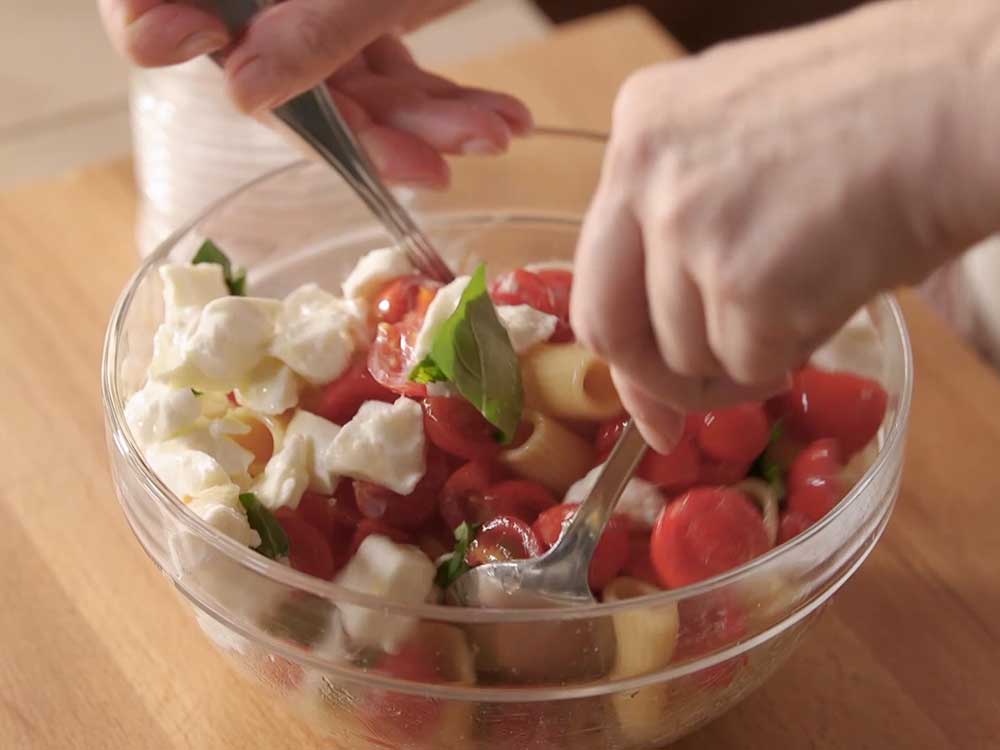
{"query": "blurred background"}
pixel 66 94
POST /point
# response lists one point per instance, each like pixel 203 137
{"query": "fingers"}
pixel 659 424
pixel 401 158
pixel 450 126
pixel 154 33
pixel 294 45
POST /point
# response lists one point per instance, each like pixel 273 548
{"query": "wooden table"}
pixel 96 653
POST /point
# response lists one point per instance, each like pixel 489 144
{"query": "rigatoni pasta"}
pixel 566 380
pixel 553 455
pixel 644 642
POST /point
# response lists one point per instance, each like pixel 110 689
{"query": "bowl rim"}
pixel 121 437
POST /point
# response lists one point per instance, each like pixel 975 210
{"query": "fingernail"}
pixel 481 147
pixel 201 43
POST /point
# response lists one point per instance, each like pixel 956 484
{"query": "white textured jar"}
pixel 192 147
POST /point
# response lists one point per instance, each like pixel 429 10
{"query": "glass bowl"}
pixel 604 676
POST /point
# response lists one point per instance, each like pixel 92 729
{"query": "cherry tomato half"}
pixel 839 405
pixel 464 490
pixel 456 427
pixel 519 498
pixel 638 563
pixel 612 550
pixel 308 549
pixel 738 434
pixel 402 296
pixel 404 511
pixel 390 358
pixel 707 624
pixel 503 538
pixel 340 399
pixel 814 485
pixel 521 287
pixel 560 284
pixel 675 471
pixel 705 532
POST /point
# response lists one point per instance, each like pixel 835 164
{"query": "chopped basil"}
pixel 273 540
pixel 454 566
pixel 303 619
pixel 767 468
pixel 195 391
pixel 473 351
pixel 236 278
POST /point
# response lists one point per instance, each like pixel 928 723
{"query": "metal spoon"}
pixel 315 119
pixel 559 577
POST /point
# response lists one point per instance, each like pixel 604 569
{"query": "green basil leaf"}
pixel 236 278
pixel 767 468
pixel 452 568
pixel 273 540
pixel 196 392
pixel 473 351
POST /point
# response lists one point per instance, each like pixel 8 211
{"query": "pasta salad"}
pixel 393 435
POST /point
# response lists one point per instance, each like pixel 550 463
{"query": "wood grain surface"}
pixel 97 653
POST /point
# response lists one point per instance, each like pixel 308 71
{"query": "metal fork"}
pixel 314 117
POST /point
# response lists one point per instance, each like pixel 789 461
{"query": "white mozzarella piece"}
pixel 319 435
pixel 442 307
pixel 272 388
pixel 384 444
pixel 187 288
pixel 526 326
pixel 159 412
pixel 213 439
pixel 185 471
pixel 375 270
pixel 641 501
pixel 285 477
pixel 317 334
pixel 396 572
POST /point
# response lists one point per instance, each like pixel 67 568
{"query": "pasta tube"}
pixel 565 380
pixel 645 641
pixel 552 455
pixel 264 438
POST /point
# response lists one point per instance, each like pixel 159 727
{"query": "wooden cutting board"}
pixel 97 653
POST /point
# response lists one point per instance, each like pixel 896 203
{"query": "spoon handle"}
pixel 584 531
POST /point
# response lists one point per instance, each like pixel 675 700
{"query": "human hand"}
pixel 405 117
pixel 755 196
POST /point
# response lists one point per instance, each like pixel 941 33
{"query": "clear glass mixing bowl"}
pixel 595 677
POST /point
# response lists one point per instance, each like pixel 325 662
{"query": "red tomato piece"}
pixel 638 564
pixel 317 511
pixel 404 511
pixel 674 471
pixel 308 550
pixel 841 405
pixel 792 524
pixel 390 358
pixel 503 538
pixel 708 624
pixel 521 287
pixel 608 433
pixel 456 427
pixel 738 434
pixel 612 550
pixel 340 399
pixel 704 533
pixel 464 489
pixel 402 296
pixel 519 498
pixel 722 473
pixel 560 284
pixel 403 717
pixel 814 485
pixel 369 527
